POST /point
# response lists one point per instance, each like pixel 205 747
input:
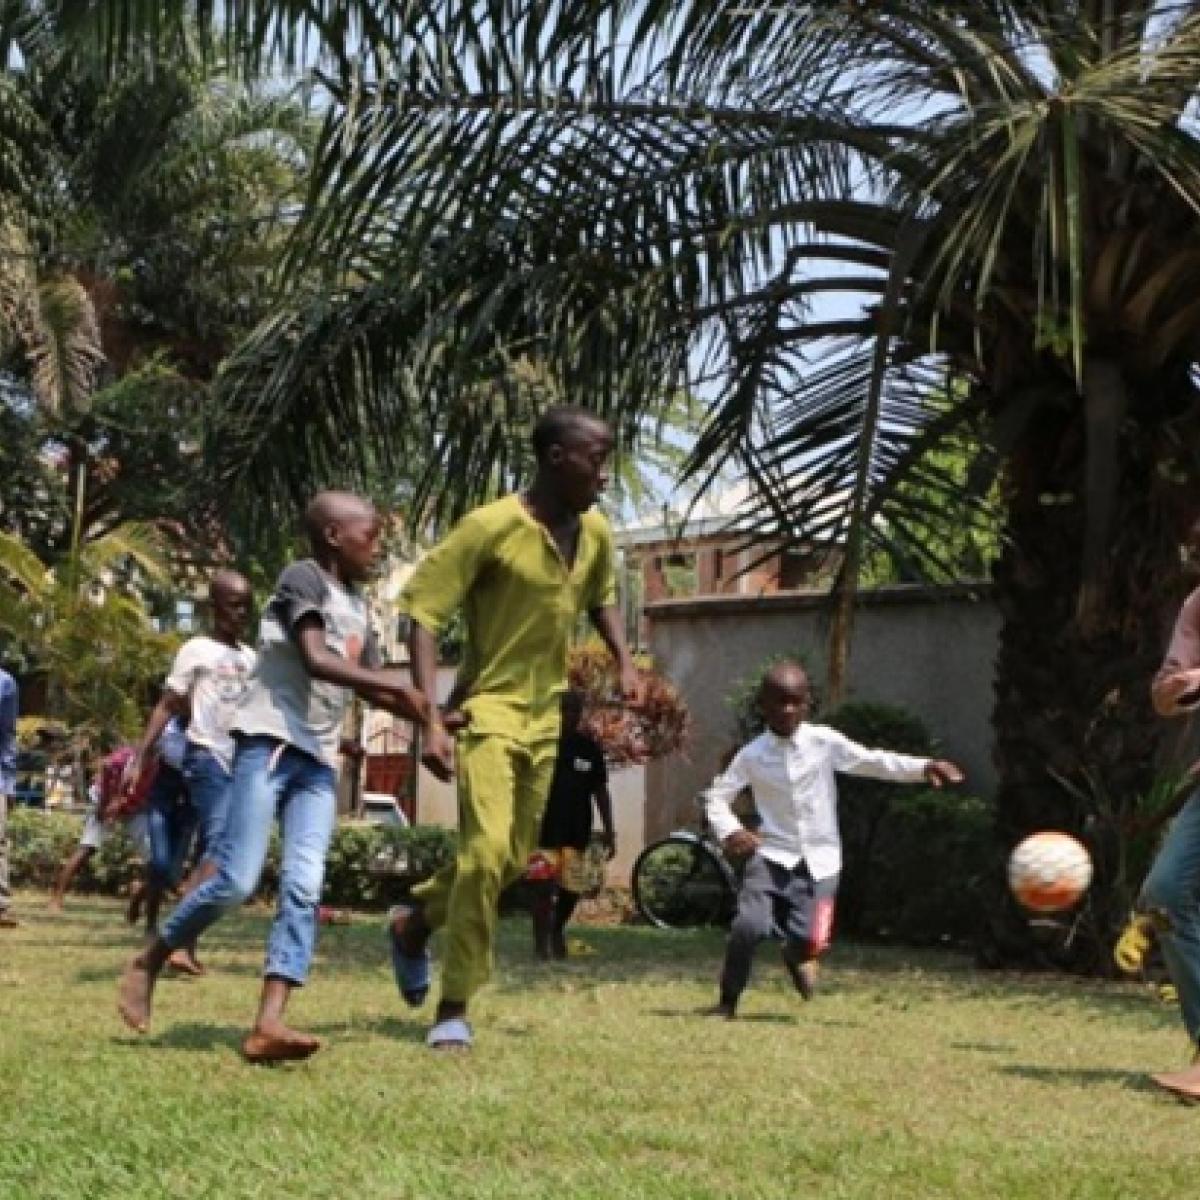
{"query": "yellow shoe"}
pixel 1168 993
pixel 1134 943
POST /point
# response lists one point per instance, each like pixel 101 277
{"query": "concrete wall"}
pixel 930 650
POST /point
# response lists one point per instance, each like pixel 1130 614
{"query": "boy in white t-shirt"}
pixel 208 678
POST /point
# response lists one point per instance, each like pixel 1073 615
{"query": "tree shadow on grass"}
pixel 703 1013
pixel 188 1035
pixel 1133 1081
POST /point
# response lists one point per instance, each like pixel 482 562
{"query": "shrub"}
pixel 912 859
pixel 368 865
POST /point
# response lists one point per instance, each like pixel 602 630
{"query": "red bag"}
pixel 117 802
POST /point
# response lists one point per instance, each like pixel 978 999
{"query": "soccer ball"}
pixel 1048 872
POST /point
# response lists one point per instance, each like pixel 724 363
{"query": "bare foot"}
pixel 8 921
pixel 186 963
pixel 1184 1084
pixel 135 990
pixel 276 1042
pixel 54 904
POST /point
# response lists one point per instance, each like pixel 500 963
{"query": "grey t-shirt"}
pixel 283 699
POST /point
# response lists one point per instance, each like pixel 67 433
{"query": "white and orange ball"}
pixel 1049 872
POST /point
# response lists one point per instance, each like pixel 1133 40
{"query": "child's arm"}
pixel 174 702
pixel 852 759
pixel 382 687
pixel 718 808
pixel 603 800
pixel 1175 689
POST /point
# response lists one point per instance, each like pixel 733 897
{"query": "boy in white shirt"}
pixel 794 860
pixel 208 678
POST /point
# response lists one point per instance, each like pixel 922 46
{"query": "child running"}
pixel 521 570
pixel 207 681
pixel 580 779
pixel 315 648
pixel 791 876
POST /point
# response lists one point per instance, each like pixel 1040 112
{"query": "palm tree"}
pixel 88 635
pixel 641 195
pixel 655 198
pixel 138 239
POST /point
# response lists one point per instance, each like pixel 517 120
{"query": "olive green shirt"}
pixel 520 602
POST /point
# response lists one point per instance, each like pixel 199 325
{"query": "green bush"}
pixel 912 859
pixel 368 865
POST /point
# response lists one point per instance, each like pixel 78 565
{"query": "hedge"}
pixel 368 866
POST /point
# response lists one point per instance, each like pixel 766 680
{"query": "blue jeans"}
pixel 171 821
pixel 210 788
pixel 269 778
pixel 1173 888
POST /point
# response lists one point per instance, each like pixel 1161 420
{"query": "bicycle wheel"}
pixel 678 884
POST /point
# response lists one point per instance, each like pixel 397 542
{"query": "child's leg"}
pixel 542 912
pixel 243 852
pixel 75 863
pixel 754 921
pixel 564 909
pixel 1173 889
pixel 309 809
pixel 808 908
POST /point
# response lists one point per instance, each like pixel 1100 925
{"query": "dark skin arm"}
pixel 608 624
pixel 386 689
pixel 170 704
pixel 437 751
pixel 603 798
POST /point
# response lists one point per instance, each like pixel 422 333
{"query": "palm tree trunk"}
pixel 1076 740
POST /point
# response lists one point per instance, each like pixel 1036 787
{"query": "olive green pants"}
pixel 502 789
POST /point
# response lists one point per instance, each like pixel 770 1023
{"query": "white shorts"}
pixel 95 831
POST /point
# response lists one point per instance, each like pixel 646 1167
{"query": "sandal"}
pixel 454 1033
pixel 413 972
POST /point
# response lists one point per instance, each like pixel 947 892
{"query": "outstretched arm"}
pixel 385 688
pixel 170 704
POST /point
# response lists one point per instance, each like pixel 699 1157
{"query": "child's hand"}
pixel 741 843
pixel 1177 693
pixel 940 772
pixel 394 693
pixel 454 720
pixel 438 753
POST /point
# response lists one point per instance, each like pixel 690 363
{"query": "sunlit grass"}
pixel 910 1075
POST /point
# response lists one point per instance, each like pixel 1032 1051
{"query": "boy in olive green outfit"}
pixel 521 569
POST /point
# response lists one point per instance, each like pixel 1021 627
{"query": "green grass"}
pixel 911 1075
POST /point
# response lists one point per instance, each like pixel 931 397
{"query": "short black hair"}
pixel 555 426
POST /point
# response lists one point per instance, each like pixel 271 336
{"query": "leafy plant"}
pixel 629 737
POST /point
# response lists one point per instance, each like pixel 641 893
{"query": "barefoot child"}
pixel 580 779
pixel 521 570
pixel 315 648
pixel 207 681
pixel 791 875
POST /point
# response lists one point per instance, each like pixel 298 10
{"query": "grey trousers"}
pixel 776 902
pixel 5 890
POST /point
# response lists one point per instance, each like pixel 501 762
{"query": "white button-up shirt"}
pixel 796 794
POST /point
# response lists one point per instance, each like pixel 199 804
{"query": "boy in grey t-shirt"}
pixel 315 649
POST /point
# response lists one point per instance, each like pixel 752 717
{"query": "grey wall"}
pixel 929 650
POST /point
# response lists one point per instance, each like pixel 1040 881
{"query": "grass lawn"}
pixel 911 1075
